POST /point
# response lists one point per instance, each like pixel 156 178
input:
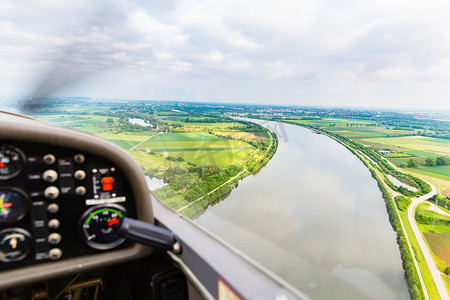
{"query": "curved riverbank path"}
pixel 436 274
pixel 240 173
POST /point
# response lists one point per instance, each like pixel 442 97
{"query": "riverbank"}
pixel 416 284
pixel 337 242
pixel 253 166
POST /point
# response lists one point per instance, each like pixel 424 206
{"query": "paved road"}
pixel 426 253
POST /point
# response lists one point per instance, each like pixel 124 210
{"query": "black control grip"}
pixel 147 234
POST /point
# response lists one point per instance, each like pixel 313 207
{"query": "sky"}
pixel 392 53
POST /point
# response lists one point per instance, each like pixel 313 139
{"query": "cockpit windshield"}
pixel 312 137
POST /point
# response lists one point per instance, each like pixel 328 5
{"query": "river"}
pixel 154 183
pixel 313 216
pixel 399 183
pixel 139 121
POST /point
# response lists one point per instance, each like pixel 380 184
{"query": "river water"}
pixel 399 183
pixel 139 121
pixel 154 183
pixel 315 217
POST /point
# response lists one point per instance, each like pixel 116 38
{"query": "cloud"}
pixel 303 52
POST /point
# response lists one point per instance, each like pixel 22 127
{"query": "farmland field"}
pixel 440 245
pixel 425 146
pixel 251 136
pixel 198 148
pixel 353 129
pixel 441 181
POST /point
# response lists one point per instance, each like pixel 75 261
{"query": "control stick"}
pixel 148 234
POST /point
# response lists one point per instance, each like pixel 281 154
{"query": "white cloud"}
pixel 305 52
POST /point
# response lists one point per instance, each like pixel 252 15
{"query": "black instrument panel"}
pixel 58 203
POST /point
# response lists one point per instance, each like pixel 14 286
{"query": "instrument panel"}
pixel 58 203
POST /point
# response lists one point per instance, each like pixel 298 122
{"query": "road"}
pixel 146 140
pixel 436 274
pixel 394 194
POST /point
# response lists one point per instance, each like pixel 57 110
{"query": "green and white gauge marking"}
pixel 99 226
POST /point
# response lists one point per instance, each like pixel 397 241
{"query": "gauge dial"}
pixel 13 205
pixel 15 244
pixel 99 226
pixel 11 161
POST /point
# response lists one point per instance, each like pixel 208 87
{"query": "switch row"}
pixel 50 159
pixel 51 175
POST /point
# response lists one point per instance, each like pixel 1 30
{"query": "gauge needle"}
pixel 2 205
pixel 111 222
pixel 13 242
pixel 1 164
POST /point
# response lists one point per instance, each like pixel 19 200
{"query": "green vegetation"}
pixel 436 230
pixel 377 166
pixel 402 202
pixel 426 274
pixel 196 153
pixel 202 153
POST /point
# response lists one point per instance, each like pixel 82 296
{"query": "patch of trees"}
pixel 412 163
pixel 439 161
pixel 430 161
pixel 443 161
pixel 206 120
pixel 402 202
pixel 441 200
pixel 411 276
pixel 255 166
pixel 178 158
pixel 429 218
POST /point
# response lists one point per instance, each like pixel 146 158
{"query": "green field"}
pixel 425 146
pixel 437 236
pixel 176 202
pixel 186 141
pixel 442 183
pixel 214 158
pixel 446 281
pixel 437 170
pixel 353 129
pixel 185 137
pixel 171 120
pixel 126 136
pixel 75 120
pixel 440 245
pixel 426 274
pixel 150 161
pixel 198 148
pixel 250 136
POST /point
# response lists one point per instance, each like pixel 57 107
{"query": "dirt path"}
pixel 198 199
pixel 132 148
pixel 436 209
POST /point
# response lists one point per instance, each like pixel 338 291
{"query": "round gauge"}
pixel 99 226
pixel 11 161
pixel 15 244
pixel 13 205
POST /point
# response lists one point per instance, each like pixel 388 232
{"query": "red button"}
pixel 107 183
